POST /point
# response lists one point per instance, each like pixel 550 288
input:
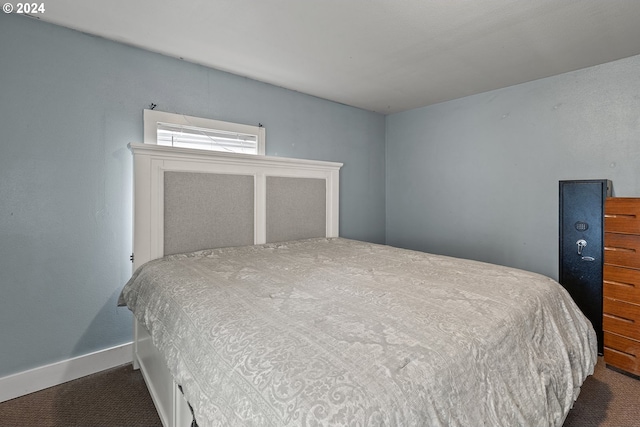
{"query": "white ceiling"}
pixel 381 55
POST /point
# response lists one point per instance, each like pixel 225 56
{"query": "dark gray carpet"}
pixel 607 399
pixel 118 397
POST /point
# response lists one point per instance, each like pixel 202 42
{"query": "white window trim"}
pixel 152 117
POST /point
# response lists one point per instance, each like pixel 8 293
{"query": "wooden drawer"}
pixel 622 215
pixel 621 318
pixel 622 249
pixel 622 353
pixel 622 283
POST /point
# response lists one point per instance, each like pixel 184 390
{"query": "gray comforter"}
pixel 340 332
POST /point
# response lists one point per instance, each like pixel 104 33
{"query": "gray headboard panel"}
pixel 207 210
pixel 187 200
pixel 296 208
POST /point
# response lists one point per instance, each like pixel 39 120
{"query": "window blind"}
pixel 185 136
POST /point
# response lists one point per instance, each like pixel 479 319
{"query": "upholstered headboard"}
pixel 186 200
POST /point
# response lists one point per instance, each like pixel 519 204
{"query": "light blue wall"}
pixel 475 177
pixel 478 177
pixel 69 104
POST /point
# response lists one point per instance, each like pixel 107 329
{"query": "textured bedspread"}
pixel 340 332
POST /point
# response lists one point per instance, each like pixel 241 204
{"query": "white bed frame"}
pixel 150 164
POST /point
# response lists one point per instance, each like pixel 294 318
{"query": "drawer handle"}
pixel 618 249
pixel 625 216
pixel 621 352
pixel 624 319
pixel 612 282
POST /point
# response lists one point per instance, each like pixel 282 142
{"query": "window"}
pixel 178 130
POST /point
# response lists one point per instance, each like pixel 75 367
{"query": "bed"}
pixel 272 319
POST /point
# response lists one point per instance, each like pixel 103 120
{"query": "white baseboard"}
pixel 36 379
